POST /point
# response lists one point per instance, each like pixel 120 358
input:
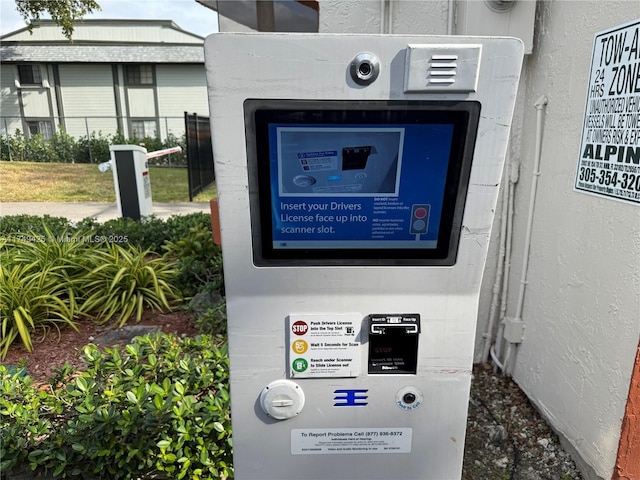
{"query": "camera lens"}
pixel 364 69
pixel 409 398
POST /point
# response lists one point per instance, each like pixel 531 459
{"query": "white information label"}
pixel 609 164
pixel 319 441
pixel 324 345
pixel 147 184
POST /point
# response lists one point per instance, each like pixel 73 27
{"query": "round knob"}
pixel 282 399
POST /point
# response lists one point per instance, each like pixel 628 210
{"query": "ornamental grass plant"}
pixel 30 301
pixel 124 280
pixel 38 288
pixel 48 279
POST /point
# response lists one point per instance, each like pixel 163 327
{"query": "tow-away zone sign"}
pixel 609 163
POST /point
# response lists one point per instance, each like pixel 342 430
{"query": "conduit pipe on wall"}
pixel 487 337
pixel 496 349
pixel 386 16
pixel 540 106
pixel 450 16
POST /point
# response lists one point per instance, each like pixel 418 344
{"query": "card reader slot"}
pixel 381 329
pixel 393 343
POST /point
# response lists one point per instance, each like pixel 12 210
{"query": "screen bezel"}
pixel 259 113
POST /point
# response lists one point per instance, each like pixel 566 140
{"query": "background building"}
pixel 137 77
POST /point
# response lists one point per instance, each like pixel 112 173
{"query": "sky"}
pixel 187 14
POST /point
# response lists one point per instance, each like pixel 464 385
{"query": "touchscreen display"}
pixel 363 186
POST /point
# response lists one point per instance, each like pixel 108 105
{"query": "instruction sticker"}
pixel 146 184
pixel 322 441
pixel 324 345
pixel 609 164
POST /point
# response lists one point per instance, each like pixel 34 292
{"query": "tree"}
pixel 63 12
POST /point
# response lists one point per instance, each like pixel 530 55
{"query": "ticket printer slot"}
pixel 393 343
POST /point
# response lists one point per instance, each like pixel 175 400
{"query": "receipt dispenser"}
pixel 393 343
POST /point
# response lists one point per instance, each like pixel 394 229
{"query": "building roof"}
pixel 101 54
pixel 104 41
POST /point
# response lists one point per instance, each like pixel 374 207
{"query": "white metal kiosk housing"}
pixel 131 180
pixel 357 179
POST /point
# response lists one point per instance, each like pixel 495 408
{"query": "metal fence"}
pixel 199 153
pixel 159 127
pixel 86 139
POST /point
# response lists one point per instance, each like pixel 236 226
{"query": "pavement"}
pixel 77 211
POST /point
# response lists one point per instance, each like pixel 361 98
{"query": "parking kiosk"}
pixel 357 180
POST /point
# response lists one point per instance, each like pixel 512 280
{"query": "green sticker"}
pixel 300 365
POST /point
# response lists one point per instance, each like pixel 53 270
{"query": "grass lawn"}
pixel 65 182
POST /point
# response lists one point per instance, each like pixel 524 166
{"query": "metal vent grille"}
pixel 443 69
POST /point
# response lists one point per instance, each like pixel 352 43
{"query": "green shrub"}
pixel 147 234
pixel 158 409
pixel 150 143
pixel 214 319
pixel 14 147
pixel 124 280
pixel 173 141
pixel 39 150
pixel 4 148
pixel 63 146
pixel 198 258
pixel 179 226
pixel 91 148
pixel 151 232
pixel 20 224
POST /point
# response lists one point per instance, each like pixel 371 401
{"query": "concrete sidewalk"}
pixel 76 211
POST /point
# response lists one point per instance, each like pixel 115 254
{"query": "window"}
pixel 144 128
pixel 138 74
pixel 29 75
pixel 42 127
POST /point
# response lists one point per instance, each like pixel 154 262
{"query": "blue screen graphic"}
pixel 356 186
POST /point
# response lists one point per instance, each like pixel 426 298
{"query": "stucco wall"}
pixel 582 303
pixel 369 16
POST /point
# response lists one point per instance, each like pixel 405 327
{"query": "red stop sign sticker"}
pixel 299 327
